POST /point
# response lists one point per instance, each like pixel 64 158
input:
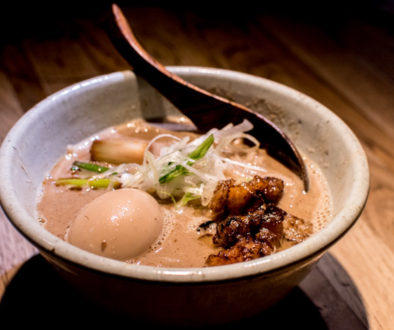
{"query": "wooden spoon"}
pixel 204 109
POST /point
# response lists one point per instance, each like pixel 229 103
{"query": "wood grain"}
pixel 348 65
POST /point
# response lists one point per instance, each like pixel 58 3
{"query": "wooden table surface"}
pixel 342 58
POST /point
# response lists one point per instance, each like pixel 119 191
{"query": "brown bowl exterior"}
pixel 183 304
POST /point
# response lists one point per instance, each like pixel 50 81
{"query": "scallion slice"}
pixel 80 183
pixel 89 167
pixel 196 154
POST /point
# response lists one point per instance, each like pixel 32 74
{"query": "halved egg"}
pixel 120 224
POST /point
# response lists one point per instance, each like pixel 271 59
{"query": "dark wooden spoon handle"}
pixel 204 109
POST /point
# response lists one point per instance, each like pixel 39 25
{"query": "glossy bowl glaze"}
pixel 175 295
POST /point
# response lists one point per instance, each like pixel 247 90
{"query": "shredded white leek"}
pixel 198 178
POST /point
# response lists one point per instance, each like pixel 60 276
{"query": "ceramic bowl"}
pixel 174 295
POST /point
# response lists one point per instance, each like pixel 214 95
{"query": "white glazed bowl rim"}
pixel 313 246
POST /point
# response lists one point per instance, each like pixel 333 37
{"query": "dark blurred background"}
pixel 23 19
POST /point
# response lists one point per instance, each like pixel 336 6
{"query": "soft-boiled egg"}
pixel 120 224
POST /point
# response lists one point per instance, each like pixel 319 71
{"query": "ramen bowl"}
pixel 179 295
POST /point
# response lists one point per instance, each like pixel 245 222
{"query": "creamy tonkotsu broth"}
pixel 184 235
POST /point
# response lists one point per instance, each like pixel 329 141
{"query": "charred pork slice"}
pixel 256 234
pixel 248 237
pixel 249 225
pixel 231 198
pixel 245 249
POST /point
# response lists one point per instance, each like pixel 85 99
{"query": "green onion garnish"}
pixel 80 183
pixel 187 197
pixel 202 149
pixel 196 154
pixel 177 171
pixel 89 167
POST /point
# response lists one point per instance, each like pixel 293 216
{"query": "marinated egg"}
pixel 119 224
